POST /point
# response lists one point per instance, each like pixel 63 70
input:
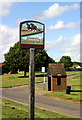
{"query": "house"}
pixel 1 64
pixel 76 67
pixel 33 39
pixel 56 77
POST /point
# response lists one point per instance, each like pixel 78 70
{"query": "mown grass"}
pixel 74 96
pixel 11 80
pixel 74 81
pixel 11 109
pixel 73 72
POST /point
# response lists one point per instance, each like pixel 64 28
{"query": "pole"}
pixel 44 80
pixel 31 85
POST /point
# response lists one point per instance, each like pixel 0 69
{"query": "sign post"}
pixel 43 70
pixel 31 36
pixel 31 85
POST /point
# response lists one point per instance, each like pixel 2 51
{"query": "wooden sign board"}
pixel 32 34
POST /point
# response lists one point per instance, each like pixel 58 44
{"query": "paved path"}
pixel 21 94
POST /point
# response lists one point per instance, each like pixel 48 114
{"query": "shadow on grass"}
pixel 74 94
pixel 40 75
pixel 23 76
pixel 28 76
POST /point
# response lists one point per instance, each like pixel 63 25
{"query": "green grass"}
pixel 41 87
pixel 11 80
pixel 74 96
pixel 11 109
pixel 74 81
pixel 72 72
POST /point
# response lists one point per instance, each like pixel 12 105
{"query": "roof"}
pixel 74 66
pixel 1 64
pixel 56 70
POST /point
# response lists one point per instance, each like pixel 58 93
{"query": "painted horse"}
pixel 31 26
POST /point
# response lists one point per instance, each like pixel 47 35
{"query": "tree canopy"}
pixel 18 58
pixel 66 60
pixel 42 60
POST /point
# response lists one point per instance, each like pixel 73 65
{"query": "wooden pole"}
pixel 31 85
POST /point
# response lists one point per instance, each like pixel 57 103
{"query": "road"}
pixel 21 94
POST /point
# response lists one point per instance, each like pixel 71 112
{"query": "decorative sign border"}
pixel 37 46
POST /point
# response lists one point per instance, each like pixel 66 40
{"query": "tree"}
pixel 18 58
pixel 4 70
pixel 66 60
pixel 42 60
pixel 77 63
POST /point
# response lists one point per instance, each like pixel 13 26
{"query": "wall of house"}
pixel 55 87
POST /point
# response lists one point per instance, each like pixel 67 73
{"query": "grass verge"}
pixel 73 96
pixel 12 80
pixel 11 109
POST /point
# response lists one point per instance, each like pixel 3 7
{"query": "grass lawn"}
pixel 11 80
pixel 74 96
pixel 73 72
pixel 11 109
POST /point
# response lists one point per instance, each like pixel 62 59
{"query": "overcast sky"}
pixel 62 26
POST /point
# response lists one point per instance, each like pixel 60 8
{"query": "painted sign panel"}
pixel 32 39
pixel 31 34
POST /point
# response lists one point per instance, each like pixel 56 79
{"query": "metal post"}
pixel 31 85
pixel 44 80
